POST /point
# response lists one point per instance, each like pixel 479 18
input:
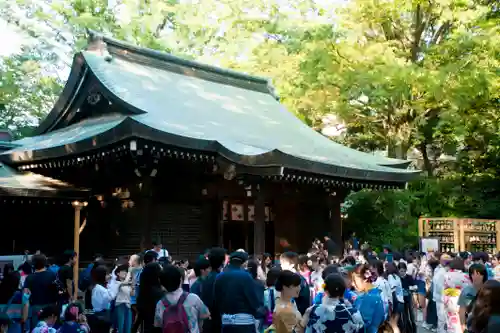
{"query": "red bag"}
pixel 175 318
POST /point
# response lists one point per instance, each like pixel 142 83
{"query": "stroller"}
pixel 407 323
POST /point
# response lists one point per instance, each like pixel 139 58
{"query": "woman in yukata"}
pixel 47 318
pixel 455 280
pixel 334 314
pixel 369 301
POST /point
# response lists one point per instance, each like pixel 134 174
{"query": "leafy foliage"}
pixel 26 94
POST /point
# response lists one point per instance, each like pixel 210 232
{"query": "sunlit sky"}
pixel 10 39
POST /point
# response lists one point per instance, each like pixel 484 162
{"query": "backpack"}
pixel 175 318
pixel 85 280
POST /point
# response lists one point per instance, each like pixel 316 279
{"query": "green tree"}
pixel 27 93
pixel 392 77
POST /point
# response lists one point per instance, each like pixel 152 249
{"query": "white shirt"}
pixel 102 297
pixel 438 283
pixel 123 295
pixel 163 253
pixel 385 289
pixel 411 270
pixel 396 287
pixel 317 280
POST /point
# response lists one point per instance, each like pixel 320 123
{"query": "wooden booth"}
pixel 192 155
pixel 462 234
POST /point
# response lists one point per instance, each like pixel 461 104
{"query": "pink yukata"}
pixel 454 282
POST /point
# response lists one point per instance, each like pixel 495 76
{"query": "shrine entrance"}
pixel 238 227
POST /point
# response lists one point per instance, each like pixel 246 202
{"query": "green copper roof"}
pixel 195 106
pixel 244 121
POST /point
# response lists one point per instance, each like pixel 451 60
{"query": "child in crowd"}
pixel 122 309
pixel 47 317
pixel 74 320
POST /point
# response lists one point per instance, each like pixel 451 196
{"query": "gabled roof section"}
pixel 195 106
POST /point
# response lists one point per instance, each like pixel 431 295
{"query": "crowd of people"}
pixel 361 291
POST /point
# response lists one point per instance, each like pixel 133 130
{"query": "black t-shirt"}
pixel 331 247
pixel 42 287
pixel 64 274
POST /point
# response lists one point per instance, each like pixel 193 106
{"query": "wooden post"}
pixel 498 235
pixel 77 205
pixel 456 234
pixel 421 227
pixel 335 227
pixel 259 234
pixel 462 234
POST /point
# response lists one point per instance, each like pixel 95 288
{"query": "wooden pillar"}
pixel 421 227
pixel 77 205
pixel 497 223
pixel 461 233
pixel 145 207
pixel 259 237
pixel 335 222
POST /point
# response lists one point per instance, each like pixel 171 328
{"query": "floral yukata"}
pixel 42 327
pixel 334 316
pixel 454 282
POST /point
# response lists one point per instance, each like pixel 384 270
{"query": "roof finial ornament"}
pixel 98 46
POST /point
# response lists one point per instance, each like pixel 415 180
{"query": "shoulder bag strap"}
pixel 272 301
pixel 182 299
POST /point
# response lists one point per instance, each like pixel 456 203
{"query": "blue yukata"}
pixel 238 300
pixel 371 307
pixel 334 316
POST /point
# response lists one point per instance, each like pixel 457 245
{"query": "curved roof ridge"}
pixel 121 48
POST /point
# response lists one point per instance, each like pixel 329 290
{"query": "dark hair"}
pixel 171 277
pixel 216 257
pixel 39 261
pixel 68 255
pixel 487 304
pixel 303 259
pixel 480 256
pixel 252 268
pixel 121 268
pixel 464 255
pixel 409 259
pixel 72 315
pixel 402 265
pixel 457 264
pixel 26 268
pixel 48 311
pixel 335 285
pixel 378 266
pixel 349 260
pixel 330 269
pixel 287 279
pixel 200 265
pixel 157 242
pixel 8 286
pixel 290 256
pixel 390 268
pixel 433 263
pixel 272 276
pixel 150 257
pixel 99 275
pixel 363 271
pixel 478 268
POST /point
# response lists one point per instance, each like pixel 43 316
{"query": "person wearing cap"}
pixel 236 298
